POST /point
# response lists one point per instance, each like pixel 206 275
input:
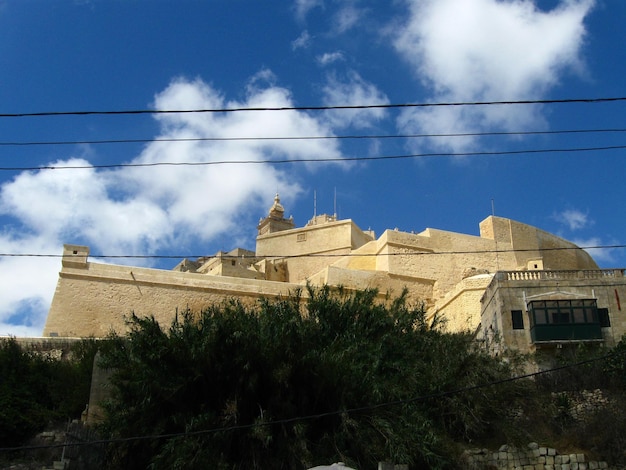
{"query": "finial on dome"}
pixel 277 210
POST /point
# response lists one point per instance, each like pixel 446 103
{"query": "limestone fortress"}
pixel 515 282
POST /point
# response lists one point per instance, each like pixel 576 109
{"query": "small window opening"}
pixel 517 319
pixel 603 317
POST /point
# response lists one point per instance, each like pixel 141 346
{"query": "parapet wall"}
pixel 97 298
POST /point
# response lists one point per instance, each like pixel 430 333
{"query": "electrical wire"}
pixel 317 415
pixel 313 137
pixel 312 108
pixel 315 160
pixel 310 255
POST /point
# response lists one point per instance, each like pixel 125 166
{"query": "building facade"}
pixel 452 273
pixel 531 311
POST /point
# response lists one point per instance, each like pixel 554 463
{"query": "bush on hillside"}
pixel 300 381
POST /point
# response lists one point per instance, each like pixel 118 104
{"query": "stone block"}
pixel 543 451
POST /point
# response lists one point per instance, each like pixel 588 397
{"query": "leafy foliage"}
pixel 35 389
pixel 299 381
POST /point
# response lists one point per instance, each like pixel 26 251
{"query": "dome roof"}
pixel 277 210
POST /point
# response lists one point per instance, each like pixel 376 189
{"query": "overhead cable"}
pixel 311 137
pixel 314 160
pixel 310 108
pixel 311 255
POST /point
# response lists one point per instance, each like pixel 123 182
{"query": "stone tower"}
pixel 275 220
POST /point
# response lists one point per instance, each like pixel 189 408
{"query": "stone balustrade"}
pixel 556 275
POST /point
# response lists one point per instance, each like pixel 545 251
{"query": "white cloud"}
pixel 28 284
pixel 301 42
pixel 574 219
pixel 600 255
pixel 329 58
pixel 135 210
pixel 487 50
pixel 303 7
pixel 353 90
pixel 346 18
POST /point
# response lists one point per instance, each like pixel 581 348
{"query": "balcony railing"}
pixel 556 275
pixel 567 332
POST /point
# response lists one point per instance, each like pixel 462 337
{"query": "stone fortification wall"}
pixel 534 457
pixel 52 348
pixel 441 256
pixel 460 308
pixel 332 238
pixel 383 282
pixel 533 243
pixel 94 299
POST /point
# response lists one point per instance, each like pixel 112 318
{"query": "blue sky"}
pixel 93 55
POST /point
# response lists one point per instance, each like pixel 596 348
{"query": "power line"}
pixel 311 255
pixel 317 160
pixel 310 108
pixel 313 137
pixel 317 415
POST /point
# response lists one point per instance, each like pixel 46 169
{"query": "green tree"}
pixel 35 390
pixel 299 381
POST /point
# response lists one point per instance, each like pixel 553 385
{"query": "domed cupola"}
pixel 275 220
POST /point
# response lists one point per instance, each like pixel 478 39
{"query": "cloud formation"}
pixel 302 7
pixel 330 57
pixel 346 18
pixel 600 255
pixel 134 210
pixel 353 90
pixel 487 50
pixel 301 42
pixel 574 219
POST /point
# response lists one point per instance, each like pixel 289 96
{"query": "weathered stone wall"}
pixel 332 238
pixel 96 299
pixel 92 299
pixel 52 348
pixel 508 292
pixel 460 308
pixel 533 457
